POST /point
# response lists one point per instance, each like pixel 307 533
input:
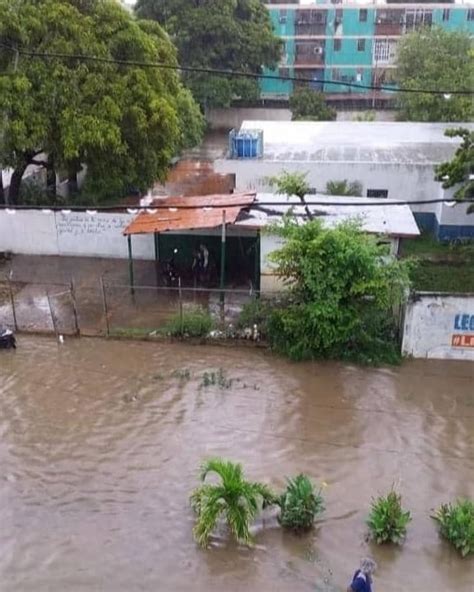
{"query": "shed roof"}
pixel 388 219
pixel 356 142
pixel 187 213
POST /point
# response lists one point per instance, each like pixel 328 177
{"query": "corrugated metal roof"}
pixel 187 213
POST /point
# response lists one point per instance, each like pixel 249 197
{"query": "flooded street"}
pixel 101 444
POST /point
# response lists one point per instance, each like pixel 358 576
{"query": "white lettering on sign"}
pixel 78 225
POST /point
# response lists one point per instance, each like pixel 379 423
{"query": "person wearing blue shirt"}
pixel 362 580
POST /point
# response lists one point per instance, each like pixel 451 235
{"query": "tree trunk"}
pixel 2 190
pixel 15 183
pixel 72 183
pixel 51 179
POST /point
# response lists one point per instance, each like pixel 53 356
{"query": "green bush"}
pixel 256 312
pixel 387 520
pixel 456 524
pixel 300 504
pixel 195 323
pixel 343 292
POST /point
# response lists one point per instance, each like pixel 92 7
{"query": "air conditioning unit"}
pixel 318 50
pixel 359 77
pixel 282 20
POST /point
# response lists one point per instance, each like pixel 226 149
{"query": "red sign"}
pixel 462 340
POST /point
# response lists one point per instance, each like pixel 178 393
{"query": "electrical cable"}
pixel 243 205
pixel 229 73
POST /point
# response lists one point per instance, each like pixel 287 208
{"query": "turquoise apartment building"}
pixel 337 42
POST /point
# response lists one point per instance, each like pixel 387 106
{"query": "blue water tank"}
pixel 246 147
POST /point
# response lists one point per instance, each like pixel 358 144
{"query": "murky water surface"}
pixel 100 445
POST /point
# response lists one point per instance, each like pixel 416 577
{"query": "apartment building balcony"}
pixel 310 22
pixel 388 28
pixel 309 53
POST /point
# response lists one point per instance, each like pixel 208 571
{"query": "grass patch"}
pixel 440 267
pixel 429 276
pixel 193 323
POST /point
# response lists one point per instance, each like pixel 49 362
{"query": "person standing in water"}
pixel 362 579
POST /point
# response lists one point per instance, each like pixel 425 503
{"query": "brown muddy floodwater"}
pixel 101 443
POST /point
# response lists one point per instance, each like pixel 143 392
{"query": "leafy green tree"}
pixel 344 188
pixel 295 183
pixel 460 170
pixel 436 59
pixel 342 291
pixel 223 34
pixel 234 498
pixel 308 105
pixel 122 123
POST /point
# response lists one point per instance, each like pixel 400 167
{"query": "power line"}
pixel 229 73
pixel 244 205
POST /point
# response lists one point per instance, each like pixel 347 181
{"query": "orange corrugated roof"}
pixel 187 213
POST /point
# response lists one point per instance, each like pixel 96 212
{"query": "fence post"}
pixel 12 300
pixel 74 307
pixel 180 299
pixel 53 319
pixel 104 304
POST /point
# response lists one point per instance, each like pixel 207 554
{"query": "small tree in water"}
pixel 234 498
pixel 342 290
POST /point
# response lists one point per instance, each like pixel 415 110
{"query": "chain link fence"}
pixel 121 310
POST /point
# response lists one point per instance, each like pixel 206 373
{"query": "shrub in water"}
pixel 233 498
pixel 387 520
pixel 456 523
pixel 195 323
pixel 300 504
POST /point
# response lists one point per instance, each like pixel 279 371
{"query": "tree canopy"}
pixel 459 172
pixel 223 34
pixel 436 59
pixel 123 123
pixel 309 105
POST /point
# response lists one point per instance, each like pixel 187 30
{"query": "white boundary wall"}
pixel 74 234
pixel 439 325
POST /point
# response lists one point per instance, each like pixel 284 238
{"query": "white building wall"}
pixel 403 182
pixel 440 326
pixel 75 234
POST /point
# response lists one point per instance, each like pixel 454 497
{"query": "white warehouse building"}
pixel 389 159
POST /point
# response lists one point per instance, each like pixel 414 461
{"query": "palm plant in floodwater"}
pixel 233 499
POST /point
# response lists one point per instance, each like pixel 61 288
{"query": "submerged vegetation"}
pixel 456 524
pixel 233 499
pixel 387 520
pixel 300 504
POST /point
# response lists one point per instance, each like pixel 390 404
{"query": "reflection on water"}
pixel 100 444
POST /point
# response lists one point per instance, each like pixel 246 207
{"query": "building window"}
pixel 446 14
pixel 283 16
pixel 363 15
pixel 337 44
pixel 336 74
pixel 284 72
pixel 360 44
pixel 470 14
pixel 377 193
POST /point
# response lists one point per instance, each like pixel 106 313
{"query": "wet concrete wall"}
pixel 440 326
pixel 76 234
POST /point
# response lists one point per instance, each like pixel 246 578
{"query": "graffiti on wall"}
pixel 463 322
